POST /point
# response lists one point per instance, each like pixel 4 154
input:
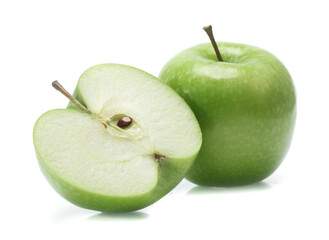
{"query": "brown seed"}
pixel 124 121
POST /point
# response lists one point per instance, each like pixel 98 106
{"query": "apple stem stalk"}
pixel 208 30
pixel 61 89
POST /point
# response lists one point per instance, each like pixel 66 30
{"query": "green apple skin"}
pixel 171 171
pixel 246 108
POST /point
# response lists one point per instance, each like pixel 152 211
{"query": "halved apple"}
pixel 97 162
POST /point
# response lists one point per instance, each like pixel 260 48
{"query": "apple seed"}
pixel 124 121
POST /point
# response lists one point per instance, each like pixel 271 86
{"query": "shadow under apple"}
pixel 118 216
pixel 198 190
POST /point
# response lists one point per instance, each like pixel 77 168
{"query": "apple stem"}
pixel 61 89
pixel 208 30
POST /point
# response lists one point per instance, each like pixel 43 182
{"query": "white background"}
pixel 42 41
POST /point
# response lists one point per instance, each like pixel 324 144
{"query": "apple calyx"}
pixel 208 30
pixel 159 158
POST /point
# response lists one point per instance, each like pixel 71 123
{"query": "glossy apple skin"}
pixel 246 107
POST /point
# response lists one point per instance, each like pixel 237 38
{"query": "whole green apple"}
pixel 122 145
pixel 245 105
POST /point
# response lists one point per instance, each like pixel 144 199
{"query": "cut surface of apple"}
pixel 96 164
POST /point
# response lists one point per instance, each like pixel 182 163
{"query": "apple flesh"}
pixel 246 108
pixel 96 164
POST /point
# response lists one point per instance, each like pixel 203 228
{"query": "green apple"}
pixel 127 140
pixel 246 108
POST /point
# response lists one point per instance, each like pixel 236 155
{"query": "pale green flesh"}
pixel 81 151
pixel 113 169
pixel 159 111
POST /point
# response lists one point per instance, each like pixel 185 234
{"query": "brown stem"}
pixel 208 30
pixel 60 88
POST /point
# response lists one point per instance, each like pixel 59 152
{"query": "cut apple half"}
pixel 136 144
